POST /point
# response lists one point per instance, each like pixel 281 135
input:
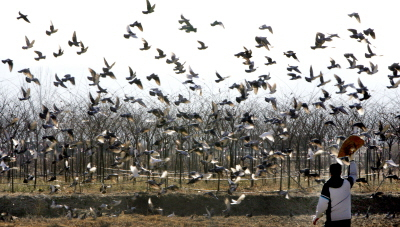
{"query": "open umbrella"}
pixel 350 146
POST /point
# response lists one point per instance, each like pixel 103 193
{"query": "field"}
pixel 189 204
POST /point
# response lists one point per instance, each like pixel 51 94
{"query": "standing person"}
pixel 335 199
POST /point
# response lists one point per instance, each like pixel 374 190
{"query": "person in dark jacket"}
pixel 335 199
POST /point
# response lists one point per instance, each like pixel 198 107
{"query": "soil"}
pixel 189 209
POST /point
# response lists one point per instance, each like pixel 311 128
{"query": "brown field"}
pixel 189 206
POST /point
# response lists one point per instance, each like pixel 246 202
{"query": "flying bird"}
pixel 323 82
pixel 263 27
pixel 355 15
pixel 291 54
pixel 130 33
pixel 40 55
pixel 26 94
pixel 138 25
pixel 74 40
pixel 59 53
pixel 23 16
pixel 150 8
pixel 145 45
pixel 215 23
pixel 52 30
pixel 83 49
pixel 239 200
pixel 220 78
pixel 9 62
pixel 28 43
pixel 333 64
pixel 270 62
pixel 160 54
pixel 203 46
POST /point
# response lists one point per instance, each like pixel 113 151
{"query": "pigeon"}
pixel 263 27
pixel 9 62
pixel 355 15
pixel 130 33
pixel 203 46
pixel 52 29
pixel 74 40
pixel 150 8
pixel 215 23
pixel 23 16
pixel 28 43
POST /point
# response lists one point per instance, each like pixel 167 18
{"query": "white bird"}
pixel 135 172
pixel 164 174
pixel 239 200
pixel 55 206
pixel 390 163
pixel 267 135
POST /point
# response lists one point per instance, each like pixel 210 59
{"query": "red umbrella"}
pixel 350 146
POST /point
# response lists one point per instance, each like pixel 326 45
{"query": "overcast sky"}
pixel 100 25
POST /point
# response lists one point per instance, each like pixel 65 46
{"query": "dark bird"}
pixel 329 123
pixel 312 77
pixel 132 75
pixel 339 80
pixel 361 126
pixel 130 33
pixel 262 42
pixel 333 64
pixel 40 55
pixel 145 45
pixel 203 46
pixel 9 62
pixel 293 68
pixel 350 55
pixel 215 23
pixel 83 49
pixel 337 109
pixel 358 107
pixel 26 94
pixel 60 52
pixel 320 39
pixel 355 15
pixel 251 68
pixel 272 100
pixel 326 96
pixel 138 25
pixel 52 30
pixel 270 62
pixel 24 17
pixel 291 54
pixel 160 54
pixel 150 8
pixel 59 82
pixel 294 76
pixel 28 43
pixel 393 84
pixel 74 40
pixel 369 32
pixel 220 78
pixel 263 27
pixel 155 78
pixel 370 53
pixel 323 82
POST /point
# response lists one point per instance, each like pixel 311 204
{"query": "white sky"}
pixel 100 25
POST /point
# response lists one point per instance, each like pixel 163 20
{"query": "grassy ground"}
pixel 268 208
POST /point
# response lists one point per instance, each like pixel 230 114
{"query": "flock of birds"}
pixel 125 151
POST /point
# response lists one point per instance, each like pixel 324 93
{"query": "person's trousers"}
pixel 341 223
